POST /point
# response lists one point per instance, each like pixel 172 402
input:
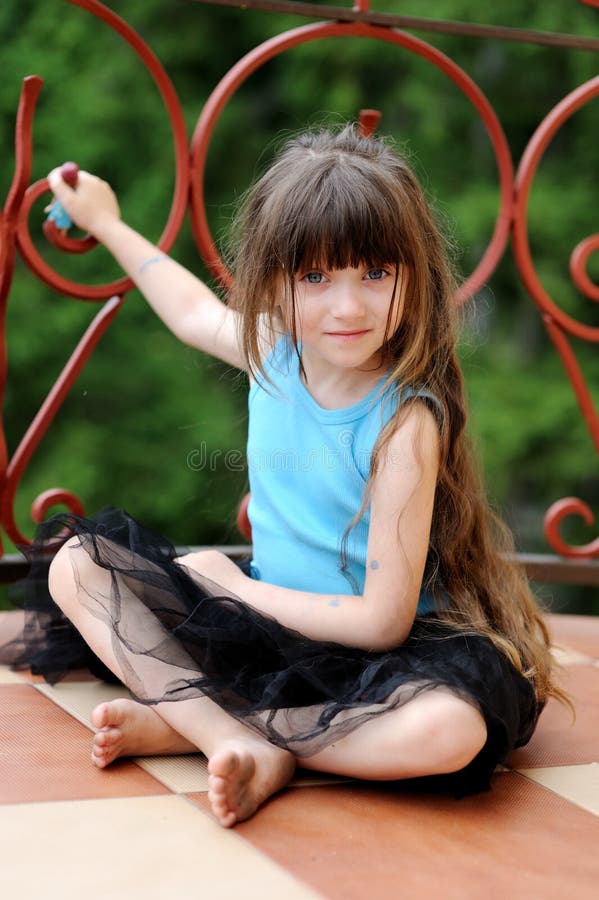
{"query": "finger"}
pixel 53 175
pixel 56 180
pixel 57 185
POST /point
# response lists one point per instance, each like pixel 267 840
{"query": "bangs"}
pixel 337 218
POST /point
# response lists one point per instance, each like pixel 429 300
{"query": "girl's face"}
pixel 342 315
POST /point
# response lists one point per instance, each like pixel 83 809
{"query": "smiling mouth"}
pixel 347 333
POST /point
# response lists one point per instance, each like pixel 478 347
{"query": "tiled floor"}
pixel 141 828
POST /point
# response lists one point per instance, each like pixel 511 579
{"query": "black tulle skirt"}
pixel 177 636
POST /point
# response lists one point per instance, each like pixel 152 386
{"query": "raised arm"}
pixel 403 494
pixel 184 303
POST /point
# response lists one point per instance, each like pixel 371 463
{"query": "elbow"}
pixel 385 636
pixel 385 626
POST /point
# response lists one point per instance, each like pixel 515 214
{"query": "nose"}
pixel 347 302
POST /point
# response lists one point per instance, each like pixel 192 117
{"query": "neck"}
pixel 334 388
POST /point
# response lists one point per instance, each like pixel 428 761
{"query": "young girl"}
pixel 379 631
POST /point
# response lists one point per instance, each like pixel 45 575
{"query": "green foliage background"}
pixel 149 422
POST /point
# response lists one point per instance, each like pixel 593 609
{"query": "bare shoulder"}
pixel 413 444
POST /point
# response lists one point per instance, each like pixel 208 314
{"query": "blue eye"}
pixel 314 277
pixel 376 274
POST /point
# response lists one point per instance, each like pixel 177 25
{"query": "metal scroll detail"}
pixel 14 232
pixel 236 76
pixel 558 324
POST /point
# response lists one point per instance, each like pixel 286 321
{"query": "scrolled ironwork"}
pixel 30 92
pixel 44 418
pixel 65 243
pixel 557 512
pixel 241 71
pixel 578 261
pixel 27 247
pixel 557 322
pixel 54 497
pixel 15 233
pixel 527 168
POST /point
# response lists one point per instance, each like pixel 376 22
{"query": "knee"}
pixel 458 732
pixel 188 559
pixel 61 578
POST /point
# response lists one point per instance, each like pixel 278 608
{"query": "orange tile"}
pixel 578 632
pixel 357 841
pixel 45 755
pixel 557 741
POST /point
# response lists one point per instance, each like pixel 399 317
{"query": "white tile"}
pixel 564 656
pixel 143 848
pixel 80 697
pixel 188 774
pixel 182 774
pixel 579 784
pixel 8 677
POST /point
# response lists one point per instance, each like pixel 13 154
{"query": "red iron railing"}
pixel 360 22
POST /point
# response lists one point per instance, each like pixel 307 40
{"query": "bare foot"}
pixel 127 728
pixel 243 774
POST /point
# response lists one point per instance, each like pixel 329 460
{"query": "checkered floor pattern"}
pixel 142 827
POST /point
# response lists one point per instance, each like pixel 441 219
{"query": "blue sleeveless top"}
pixel 308 468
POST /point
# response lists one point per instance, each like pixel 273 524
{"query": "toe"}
pixel 218 805
pixel 98 759
pixel 228 821
pixel 217 785
pixel 101 739
pixel 222 811
pixel 107 737
pixel 100 715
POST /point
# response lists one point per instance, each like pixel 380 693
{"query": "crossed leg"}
pixel 244 768
pixel 435 733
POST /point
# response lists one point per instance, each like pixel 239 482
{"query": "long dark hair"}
pixel 334 199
